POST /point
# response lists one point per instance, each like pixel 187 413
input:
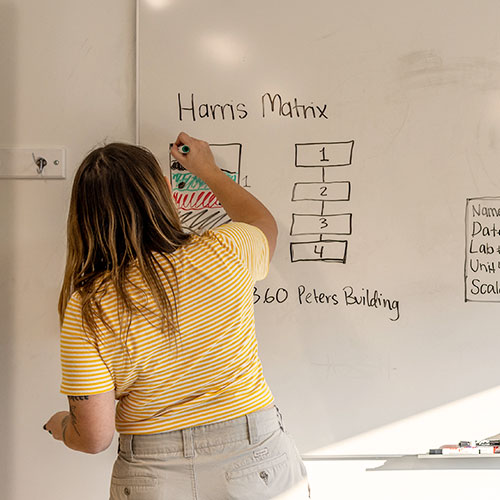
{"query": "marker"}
pixel 184 149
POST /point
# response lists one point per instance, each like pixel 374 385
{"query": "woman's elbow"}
pixel 94 444
pixel 94 448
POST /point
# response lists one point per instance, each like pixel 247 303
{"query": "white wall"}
pixel 67 79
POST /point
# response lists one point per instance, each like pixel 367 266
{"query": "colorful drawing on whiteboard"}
pixel 198 207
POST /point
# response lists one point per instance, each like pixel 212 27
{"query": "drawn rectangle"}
pixel 482 257
pixel 324 154
pixel 322 191
pixel 228 158
pixel 321 224
pixel 323 251
pixel 198 207
pixel 190 192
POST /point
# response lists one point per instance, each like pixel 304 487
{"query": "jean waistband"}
pixel 251 428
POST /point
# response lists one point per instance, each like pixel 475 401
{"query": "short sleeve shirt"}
pixel 211 371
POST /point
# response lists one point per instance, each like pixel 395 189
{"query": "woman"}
pixel 163 321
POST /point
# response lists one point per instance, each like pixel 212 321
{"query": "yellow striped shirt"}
pixel 211 372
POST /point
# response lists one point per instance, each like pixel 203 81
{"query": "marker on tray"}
pixel 183 149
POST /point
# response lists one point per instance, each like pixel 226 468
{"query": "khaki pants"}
pixel 248 458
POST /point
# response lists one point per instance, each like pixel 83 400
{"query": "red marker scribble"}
pixel 197 200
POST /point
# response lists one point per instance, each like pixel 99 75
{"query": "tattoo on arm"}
pixel 74 420
pixel 78 398
pixel 72 416
pixel 64 425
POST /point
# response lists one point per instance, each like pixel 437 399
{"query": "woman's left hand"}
pixel 54 425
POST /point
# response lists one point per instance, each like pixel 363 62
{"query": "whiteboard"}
pixel 372 132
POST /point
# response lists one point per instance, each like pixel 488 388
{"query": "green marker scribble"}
pixel 186 181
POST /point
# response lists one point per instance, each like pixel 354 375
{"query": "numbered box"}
pixel 323 251
pixel 321 224
pixel 322 191
pixel 324 154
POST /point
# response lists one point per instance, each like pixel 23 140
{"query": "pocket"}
pixel 263 468
pixel 134 488
pixel 260 480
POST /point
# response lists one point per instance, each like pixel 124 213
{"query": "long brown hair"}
pixel 121 211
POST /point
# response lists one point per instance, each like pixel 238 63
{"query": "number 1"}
pixel 323 154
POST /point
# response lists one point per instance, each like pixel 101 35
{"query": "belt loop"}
pixel 126 444
pixel 280 418
pixel 187 442
pixel 253 433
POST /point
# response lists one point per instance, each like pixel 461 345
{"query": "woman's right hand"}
pixel 239 204
pixel 199 161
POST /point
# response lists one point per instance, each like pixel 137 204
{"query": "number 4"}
pixel 320 251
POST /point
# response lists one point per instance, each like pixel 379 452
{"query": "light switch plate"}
pixel 26 163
